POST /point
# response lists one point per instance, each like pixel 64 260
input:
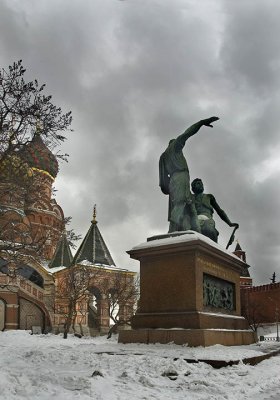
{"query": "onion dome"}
pixel 13 168
pixel 39 157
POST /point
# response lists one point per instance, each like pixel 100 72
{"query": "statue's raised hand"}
pixel 208 121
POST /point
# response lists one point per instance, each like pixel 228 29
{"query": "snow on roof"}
pixel 15 209
pixel 85 263
pixel 104 266
pixel 45 265
pixel 54 269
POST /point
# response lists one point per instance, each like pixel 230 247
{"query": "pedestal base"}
pixel 189 293
pixel 191 337
pixel 189 320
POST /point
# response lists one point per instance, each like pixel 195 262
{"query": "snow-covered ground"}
pixel 50 367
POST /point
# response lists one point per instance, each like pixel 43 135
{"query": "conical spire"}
pixel 93 248
pixel 239 252
pixel 62 256
pixel 238 247
pixel 94 215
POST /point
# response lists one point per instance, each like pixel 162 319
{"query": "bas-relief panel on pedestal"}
pixel 218 293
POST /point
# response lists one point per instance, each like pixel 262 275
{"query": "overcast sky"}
pixel 135 74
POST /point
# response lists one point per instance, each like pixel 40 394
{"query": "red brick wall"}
pixel 263 300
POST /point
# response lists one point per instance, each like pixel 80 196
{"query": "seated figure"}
pixel 205 205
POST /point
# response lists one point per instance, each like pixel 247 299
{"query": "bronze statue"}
pixel 174 180
pixel 205 204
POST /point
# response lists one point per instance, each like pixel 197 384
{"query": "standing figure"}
pixel 205 204
pixel 174 180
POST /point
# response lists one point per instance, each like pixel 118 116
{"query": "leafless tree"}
pixel 253 312
pixel 122 295
pixel 72 237
pixel 24 104
pixel 72 293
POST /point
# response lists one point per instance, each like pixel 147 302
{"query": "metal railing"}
pixel 269 339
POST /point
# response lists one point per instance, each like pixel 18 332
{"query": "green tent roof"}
pixel 93 248
pixel 62 256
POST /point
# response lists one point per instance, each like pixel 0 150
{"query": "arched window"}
pixel 96 296
pixel 31 274
pixel 94 311
pixel 3 266
pixel 24 270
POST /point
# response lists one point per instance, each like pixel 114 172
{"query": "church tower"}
pixel 44 214
pixel 31 224
pixel 29 214
pixel 239 252
pixel 245 278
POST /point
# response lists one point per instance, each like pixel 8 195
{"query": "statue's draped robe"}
pixel 175 181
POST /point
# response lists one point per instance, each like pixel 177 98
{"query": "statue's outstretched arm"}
pixel 192 130
pixel 221 212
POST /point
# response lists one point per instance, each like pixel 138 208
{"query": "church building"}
pixel 36 262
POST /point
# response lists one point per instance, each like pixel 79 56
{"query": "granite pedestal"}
pixel 189 293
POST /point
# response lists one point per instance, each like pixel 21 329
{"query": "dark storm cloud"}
pixel 137 73
pixel 250 54
pixel 252 48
